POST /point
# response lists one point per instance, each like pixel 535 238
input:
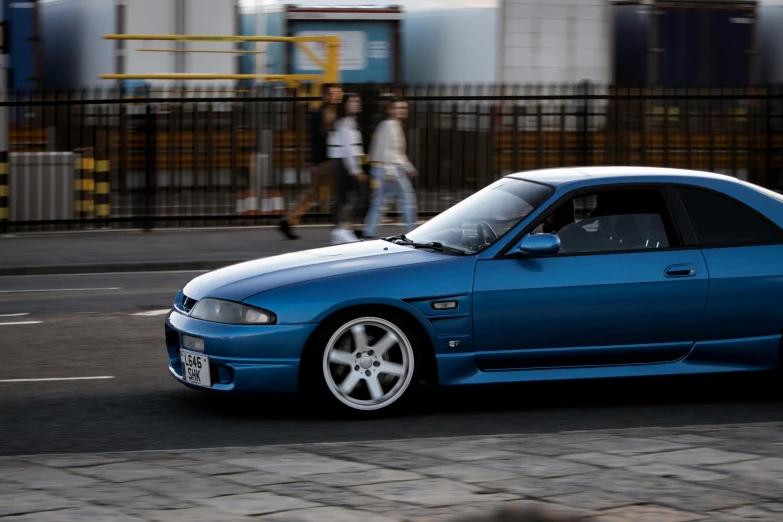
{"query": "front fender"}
pixel 408 289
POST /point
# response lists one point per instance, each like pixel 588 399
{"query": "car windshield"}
pixel 481 219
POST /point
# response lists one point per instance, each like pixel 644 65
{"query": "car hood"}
pixel 244 280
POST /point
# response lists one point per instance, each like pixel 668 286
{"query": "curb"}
pixel 116 267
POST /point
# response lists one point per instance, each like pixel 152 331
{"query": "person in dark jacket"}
pixel 321 123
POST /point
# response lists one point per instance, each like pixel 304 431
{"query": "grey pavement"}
pixel 160 249
pixel 705 472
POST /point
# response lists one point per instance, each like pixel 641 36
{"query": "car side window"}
pixel 612 221
pixel 721 222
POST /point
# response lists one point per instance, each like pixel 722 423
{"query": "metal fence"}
pixel 207 157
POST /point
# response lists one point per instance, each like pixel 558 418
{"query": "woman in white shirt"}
pixel 390 168
pixel 346 150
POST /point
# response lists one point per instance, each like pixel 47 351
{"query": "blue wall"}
pixel 378 51
pixel 275 26
pixel 247 27
pixel 20 18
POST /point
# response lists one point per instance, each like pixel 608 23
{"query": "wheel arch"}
pixel 425 350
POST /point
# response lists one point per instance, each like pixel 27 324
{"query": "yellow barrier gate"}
pixel 330 66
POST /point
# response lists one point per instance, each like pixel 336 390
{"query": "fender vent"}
pixel 188 303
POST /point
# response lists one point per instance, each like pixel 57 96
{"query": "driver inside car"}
pixel 562 222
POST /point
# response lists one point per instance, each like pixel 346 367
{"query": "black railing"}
pixel 206 157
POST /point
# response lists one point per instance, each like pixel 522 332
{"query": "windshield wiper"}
pixel 392 239
pixel 401 239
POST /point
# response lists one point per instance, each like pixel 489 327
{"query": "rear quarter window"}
pixel 720 221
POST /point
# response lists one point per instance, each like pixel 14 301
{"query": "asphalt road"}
pixel 76 326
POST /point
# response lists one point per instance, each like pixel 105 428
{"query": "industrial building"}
pixel 59 43
pixel 75 53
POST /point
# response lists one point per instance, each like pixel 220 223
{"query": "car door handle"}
pixel 680 271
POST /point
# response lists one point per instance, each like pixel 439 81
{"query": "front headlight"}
pixel 229 312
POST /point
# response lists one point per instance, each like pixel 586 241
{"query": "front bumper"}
pixel 242 359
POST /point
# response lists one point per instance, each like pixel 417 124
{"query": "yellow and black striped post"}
pixel 102 206
pixel 84 184
pixel 4 195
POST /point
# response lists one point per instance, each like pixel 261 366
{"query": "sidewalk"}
pixel 162 249
pixel 710 473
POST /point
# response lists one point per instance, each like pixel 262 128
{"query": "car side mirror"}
pixel 534 245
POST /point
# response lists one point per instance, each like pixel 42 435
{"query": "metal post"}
pixel 119 51
pixel 179 27
pixel 238 45
pixel 102 203
pixel 332 59
pixel 85 204
pixel 585 127
pixel 150 178
pixel 122 109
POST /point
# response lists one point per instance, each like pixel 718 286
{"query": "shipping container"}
pixel 24 44
pixel 685 43
pixel 770 27
pixel 544 42
pixel 436 49
pixel 370 40
pixel 631 44
pixel 76 54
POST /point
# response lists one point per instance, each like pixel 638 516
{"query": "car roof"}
pixel 764 200
pixel 559 176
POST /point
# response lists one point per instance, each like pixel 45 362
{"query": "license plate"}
pixel 195 368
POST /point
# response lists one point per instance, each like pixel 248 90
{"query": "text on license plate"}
pixel 195 368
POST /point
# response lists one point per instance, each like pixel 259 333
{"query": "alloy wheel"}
pixel 368 363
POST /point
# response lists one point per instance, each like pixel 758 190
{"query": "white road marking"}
pixel 39 276
pixel 59 290
pixel 154 312
pixel 21 322
pixel 101 377
pixel 14 315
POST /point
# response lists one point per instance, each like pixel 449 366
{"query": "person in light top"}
pixel 390 168
pixel 346 150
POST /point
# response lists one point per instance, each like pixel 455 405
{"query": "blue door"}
pixel 627 287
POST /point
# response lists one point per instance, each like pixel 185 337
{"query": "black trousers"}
pixel 347 194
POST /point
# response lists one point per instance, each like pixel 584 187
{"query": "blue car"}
pixel 568 273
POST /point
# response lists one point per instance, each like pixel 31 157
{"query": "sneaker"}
pixel 350 237
pixel 285 228
pixel 341 236
pixel 336 236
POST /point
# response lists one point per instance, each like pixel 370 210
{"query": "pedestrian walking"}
pixel 321 124
pixel 390 169
pixel 346 150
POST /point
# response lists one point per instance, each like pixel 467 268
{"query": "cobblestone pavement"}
pixel 726 472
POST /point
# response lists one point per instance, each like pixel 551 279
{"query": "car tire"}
pixel 363 365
